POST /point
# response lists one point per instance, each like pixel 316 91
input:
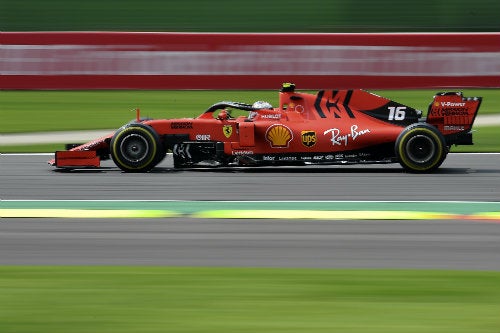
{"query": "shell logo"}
pixel 436 104
pixel 279 136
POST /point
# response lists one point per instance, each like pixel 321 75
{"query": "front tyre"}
pixel 421 148
pixel 136 148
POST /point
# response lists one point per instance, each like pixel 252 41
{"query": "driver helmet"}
pixel 262 105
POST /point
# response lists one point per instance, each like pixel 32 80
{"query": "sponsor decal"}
pixel 448 104
pixel 227 130
pixel 279 136
pixel 450 112
pixel 340 139
pixel 309 138
pixel 242 152
pixel 271 116
pixel 454 128
pixel 280 158
pixel 325 158
pixel 287 158
pixel 181 125
pixel 442 109
pixel 203 137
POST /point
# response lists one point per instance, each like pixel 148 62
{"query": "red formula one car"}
pixel 330 127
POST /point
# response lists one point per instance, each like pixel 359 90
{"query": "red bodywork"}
pixel 332 126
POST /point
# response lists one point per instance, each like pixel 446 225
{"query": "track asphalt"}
pixel 447 220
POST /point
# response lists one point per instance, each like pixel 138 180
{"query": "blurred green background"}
pixel 70 110
pixel 109 299
pixel 250 16
pixel 44 110
pixel 144 299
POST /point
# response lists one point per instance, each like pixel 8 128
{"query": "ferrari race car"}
pixel 329 127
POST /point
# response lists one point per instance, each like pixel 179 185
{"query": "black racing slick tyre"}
pixel 421 148
pixel 136 148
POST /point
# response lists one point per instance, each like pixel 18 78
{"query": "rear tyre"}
pixel 421 148
pixel 136 148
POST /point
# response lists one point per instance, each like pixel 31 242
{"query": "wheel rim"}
pixel 134 148
pixel 420 149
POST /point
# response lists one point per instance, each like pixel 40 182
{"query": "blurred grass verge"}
pixel 250 16
pixel 39 111
pixel 160 299
pixel 44 111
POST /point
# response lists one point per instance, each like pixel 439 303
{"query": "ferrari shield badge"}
pixel 228 130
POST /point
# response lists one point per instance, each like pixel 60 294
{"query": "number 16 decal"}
pixel 397 113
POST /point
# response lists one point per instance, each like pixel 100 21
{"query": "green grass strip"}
pixel 171 299
pixel 38 111
pixel 488 216
pixel 323 215
pixel 86 213
pixel 249 16
pixel 328 210
pixel 42 111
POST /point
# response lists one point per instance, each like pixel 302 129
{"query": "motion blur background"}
pixel 251 16
pixel 193 299
pixel 27 67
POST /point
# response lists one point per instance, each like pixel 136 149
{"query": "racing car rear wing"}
pixel 454 116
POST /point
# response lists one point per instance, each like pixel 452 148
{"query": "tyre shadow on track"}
pixel 321 170
pixel 288 169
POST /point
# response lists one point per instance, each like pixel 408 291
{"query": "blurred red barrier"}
pixel 143 60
